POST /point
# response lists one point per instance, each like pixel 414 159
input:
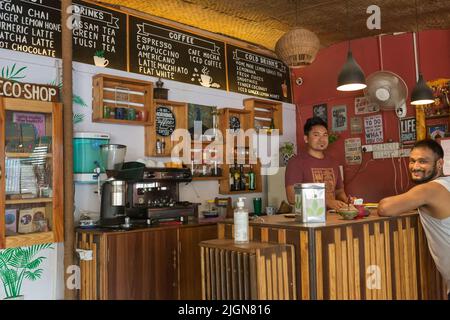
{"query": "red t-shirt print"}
pixel 306 169
pixel 325 175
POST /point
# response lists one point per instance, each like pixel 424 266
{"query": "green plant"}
pixel 17 264
pixel 100 53
pixel 332 137
pixel 287 149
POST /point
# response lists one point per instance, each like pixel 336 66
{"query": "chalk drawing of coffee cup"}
pixel 100 61
pixel 205 80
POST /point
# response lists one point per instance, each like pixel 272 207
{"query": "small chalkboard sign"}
pixel 165 121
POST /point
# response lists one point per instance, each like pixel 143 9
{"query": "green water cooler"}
pixel 86 156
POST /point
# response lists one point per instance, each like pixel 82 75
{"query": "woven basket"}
pixel 298 47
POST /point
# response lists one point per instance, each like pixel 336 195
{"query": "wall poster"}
pixel 320 110
pixel 353 153
pixel 339 118
pixel 408 130
pixel 373 127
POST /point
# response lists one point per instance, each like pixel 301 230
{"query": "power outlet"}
pixel 367 148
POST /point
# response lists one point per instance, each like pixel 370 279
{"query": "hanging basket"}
pixel 298 47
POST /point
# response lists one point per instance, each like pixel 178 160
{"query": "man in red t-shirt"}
pixel 315 166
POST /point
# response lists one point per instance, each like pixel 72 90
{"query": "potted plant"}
pixel 18 264
pixel 287 152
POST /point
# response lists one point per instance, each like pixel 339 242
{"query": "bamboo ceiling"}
pixel 263 22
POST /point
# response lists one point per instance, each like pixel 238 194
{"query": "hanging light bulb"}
pixel 351 77
pixel 422 93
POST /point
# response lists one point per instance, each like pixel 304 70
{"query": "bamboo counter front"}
pixel 371 258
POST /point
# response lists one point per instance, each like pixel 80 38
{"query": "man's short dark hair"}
pixel 311 122
pixel 432 145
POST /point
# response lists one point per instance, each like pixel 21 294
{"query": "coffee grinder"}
pixel 113 192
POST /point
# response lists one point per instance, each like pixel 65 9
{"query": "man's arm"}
pixel 290 194
pixel 341 195
pixel 414 198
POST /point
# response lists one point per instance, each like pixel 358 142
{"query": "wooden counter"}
pixel 159 262
pixel 371 258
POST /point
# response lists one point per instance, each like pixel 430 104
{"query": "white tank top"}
pixel 438 237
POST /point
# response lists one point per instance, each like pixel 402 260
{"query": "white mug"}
pixel 270 211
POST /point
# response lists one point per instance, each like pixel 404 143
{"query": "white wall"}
pixel 45 70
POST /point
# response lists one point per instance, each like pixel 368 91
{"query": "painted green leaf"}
pixel 309 211
pixel 13 74
pixel 314 204
pixel 320 211
pixel 78 100
pixel 77 118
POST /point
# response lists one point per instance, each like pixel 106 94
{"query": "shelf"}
pixel 119 92
pixel 239 192
pixel 25 201
pixel 206 178
pixel 440 116
pixel 24 155
pixel 29 239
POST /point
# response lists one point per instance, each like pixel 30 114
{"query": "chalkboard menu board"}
pixel 99 36
pixel 165 121
pixel 31 26
pixel 161 51
pixel 254 74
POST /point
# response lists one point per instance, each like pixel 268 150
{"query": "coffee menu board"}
pixel 31 26
pixel 254 74
pixel 99 36
pixel 161 51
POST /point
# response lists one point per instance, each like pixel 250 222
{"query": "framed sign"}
pixel 353 153
pixel 320 110
pixel 373 127
pixel 200 119
pixel 165 121
pixel 339 118
pixel 355 125
pixel 235 123
pixel 364 106
pixel 408 130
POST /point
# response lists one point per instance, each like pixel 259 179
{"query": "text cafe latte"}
pixel 30 91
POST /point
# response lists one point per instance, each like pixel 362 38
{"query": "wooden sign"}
pixel 29 91
pixel 165 121
pixel 162 51
pixel 254 74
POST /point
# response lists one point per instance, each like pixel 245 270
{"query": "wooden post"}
pixel 421 130
pixel 69 232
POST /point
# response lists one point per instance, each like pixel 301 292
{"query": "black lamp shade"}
pixel 422 93
pixel 351 77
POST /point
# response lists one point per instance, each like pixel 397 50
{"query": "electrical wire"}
pixel 395 174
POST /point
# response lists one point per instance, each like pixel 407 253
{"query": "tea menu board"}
pixel 34 26
pixel 161 51
pixel 257 75
pixel 99 36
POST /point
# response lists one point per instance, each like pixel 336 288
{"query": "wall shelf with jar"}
pixel 31 174
pixel 121 100
pixel 241 169
pixel 265 114
pixel 169 116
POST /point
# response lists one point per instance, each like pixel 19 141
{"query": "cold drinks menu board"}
pixel 100 38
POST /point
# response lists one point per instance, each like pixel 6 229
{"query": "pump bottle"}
pixel 240 222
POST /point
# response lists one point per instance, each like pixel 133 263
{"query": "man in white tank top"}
pixel 431 196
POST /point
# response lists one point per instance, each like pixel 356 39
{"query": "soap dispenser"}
pixel 240 222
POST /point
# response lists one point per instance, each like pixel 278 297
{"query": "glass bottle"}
pixel 251 179
pixel 237 178
pixel 242 177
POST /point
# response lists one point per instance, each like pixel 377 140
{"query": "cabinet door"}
pixel 126 266
pixel 161 261
pixel 31 185
pixel 142 265
pixel 190 260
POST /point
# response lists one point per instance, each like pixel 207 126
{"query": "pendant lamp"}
pixel 298 47
pixel 351 77
pixel 422 93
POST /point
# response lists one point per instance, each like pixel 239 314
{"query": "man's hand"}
pixel 336 204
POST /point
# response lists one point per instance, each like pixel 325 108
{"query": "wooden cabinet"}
pixel 156 263
pixel 31 172
pixel 169 116
pixel 239 149
pixel 142 265
pixel 121 100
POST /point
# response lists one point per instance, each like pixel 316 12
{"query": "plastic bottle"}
pixel 240 222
